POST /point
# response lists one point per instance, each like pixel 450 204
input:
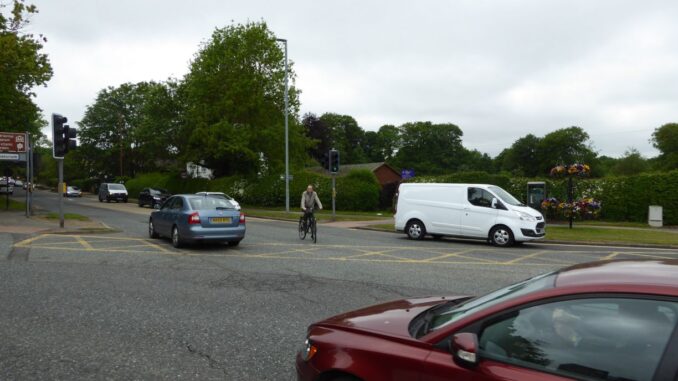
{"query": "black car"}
pixel 154 197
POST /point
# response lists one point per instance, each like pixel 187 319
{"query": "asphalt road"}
pixel 122 306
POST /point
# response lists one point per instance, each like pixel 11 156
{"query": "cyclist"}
pixel 309 199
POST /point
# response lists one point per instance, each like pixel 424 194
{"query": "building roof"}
pixel 344 169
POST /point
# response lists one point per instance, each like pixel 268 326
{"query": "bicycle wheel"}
pixel 302 228
pixel 314 231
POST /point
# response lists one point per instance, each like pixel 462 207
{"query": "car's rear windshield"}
pixel 116 187
pixel 210 203
pixel 445 316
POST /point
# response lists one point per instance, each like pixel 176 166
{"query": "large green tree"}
pixel 632 163
pixel 22 67
pixel 521 157
pixel 131 128
pixel 430 148
pixel 665 139
pixel 346 136
pixel 235 103
pixel 564 146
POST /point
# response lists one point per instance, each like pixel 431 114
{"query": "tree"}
pixel 665 139
pixel 235 103
pixel 319 133
pixel 131 128
pixel 521 157
pixel 430 148
pixel 564 146
pixel 388 141
pixel 347 137
pixel 632 163
pixel 22 67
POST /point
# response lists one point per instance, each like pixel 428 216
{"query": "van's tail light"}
pixel 194 218
pixel 242 217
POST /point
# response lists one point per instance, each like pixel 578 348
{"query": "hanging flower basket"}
pixel 571 170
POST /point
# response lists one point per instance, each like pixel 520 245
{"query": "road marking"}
pixel 458 254
pixel 520 259
pixel 611 256
pixel 84 243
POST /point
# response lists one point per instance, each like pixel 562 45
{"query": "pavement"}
pixel 123 306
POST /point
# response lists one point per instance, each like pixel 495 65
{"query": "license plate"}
pixel 220 220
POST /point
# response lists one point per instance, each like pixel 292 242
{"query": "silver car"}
pixel 190 218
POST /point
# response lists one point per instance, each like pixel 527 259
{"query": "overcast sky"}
pixel 497 69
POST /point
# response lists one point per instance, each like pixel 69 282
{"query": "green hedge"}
pixel 624 198
pixel 359 190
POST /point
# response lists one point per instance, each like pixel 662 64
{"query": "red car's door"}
pixel 441 367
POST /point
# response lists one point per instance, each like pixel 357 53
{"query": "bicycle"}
pixel 311 226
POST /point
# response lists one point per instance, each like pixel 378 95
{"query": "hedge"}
pixel 623 198
pixel 359 190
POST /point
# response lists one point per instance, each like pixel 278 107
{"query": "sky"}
pixel 498 69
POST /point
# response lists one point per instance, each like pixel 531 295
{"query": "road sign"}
pixel 9 156
pixel 407 174
pixel 12 142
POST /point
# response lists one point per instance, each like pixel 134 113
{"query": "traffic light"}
pixel 59 146
pixel 334 161
pixel 70 133
pixel 63 136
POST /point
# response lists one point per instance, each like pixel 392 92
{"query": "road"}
pixel 123 306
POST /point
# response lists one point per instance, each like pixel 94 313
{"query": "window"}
pixel 592 339
pixel 178 204
pixel 480 197
pixel 210 203
pixel 505 196
pixel 168 204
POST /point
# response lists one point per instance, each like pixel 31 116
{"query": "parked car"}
pixel 221 194
pixel 612 320
pixel 190 218
pixel 73 191
pixel 112 191
pixel 478 211
pixel 154 197
pixel 6 185
pixel 18 183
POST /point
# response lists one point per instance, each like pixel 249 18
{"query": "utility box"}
pixel 655 216
pixel 536 193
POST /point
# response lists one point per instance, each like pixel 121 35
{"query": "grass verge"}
pixel 611 235
pixel 67 216
pixel 13 205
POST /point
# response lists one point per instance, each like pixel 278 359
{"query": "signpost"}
pixel 407 174
pixel 15 146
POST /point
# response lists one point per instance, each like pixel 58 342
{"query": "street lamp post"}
pixel 287 154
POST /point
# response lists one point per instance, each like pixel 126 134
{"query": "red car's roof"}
pixel 627 272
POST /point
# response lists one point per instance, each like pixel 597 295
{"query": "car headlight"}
pixel 156 198
pixel 308 351
pixel 526 217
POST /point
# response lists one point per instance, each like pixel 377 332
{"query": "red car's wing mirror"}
pixel 464 348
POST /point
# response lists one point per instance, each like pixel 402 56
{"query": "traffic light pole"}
pixel 61 192
pixel 334 196
pixel 29 153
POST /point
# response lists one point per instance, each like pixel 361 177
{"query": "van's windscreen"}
pixel 505 196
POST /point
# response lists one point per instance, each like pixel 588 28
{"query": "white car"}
pixel 479 211
pixel 224 195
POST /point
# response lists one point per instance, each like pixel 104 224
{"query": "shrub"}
pixel 359 190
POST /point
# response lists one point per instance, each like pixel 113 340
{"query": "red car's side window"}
pixel 596 338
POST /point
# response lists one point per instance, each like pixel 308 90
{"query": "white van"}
pixel 479 211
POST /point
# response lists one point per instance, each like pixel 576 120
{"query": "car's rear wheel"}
pixel 415 229
pixel 151 230
pixel 141 204
pixel 176 239
pixel 501 236
pixel 101 199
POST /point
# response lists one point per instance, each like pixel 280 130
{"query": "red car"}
pixel 613 320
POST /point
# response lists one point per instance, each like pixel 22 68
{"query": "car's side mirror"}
pixel 464 348
pixel 494 202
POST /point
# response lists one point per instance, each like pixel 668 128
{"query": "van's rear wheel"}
pixel 415 229
pixel 501 236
